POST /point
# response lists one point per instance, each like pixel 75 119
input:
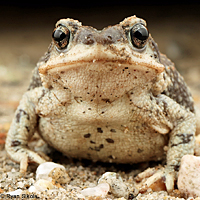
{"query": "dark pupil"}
pixel 141 34
pixel 59 35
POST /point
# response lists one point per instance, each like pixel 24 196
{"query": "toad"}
pixel 108 96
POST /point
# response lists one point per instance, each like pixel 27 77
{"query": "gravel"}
pixel 83 174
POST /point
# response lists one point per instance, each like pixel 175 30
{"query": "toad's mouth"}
pixel 136 64
pixel 102 56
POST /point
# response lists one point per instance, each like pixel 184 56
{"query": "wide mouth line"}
pixel 117 62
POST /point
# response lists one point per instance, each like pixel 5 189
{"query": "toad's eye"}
pixel 61 36
pixel 139 35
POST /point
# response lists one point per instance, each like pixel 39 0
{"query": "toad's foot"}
pixel 24 156
pixel 157 179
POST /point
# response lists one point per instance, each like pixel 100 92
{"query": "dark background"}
pixel 26 28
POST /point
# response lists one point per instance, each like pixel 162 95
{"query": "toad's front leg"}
pixel 22 129
pixel 181 141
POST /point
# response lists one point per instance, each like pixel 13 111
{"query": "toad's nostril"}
pixel 108 39
pixel 89 39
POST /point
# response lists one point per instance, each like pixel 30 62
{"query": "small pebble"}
pixel 117 187
pixel 100 190
pixel 41 185
pixel 189 176
pixel 59 175
pixel 52 171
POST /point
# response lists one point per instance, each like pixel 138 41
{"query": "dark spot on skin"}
pixel 140 150
pixel 99 130
pixel 102 112
pixel 113 130
pixel 15 143
pixel 18 148
pixel 126 67
pixel 185 139
pixel 64 104
pixel 176 167
pixel 20 113
pixel 83 112
pixel 62 72
pixel 109 140
pixel 65 88
pixel 89 108
pixel 165 106
pixel 106 100
pixel 92 142
pixel 87 135
pixel 27 128
pixel 76 99
pixel 101 146
pixel 43 93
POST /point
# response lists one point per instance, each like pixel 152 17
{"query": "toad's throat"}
pixel 96 81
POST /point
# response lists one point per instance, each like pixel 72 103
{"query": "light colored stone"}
pixel 59 175
pixel 52 171
pixel 41 185
pixel 100 190
pixel 117 187
pixel 189 176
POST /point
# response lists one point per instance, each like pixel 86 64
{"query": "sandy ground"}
pixel 24 37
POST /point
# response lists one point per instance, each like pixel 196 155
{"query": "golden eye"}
pixel 139 35
pixel 61 36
